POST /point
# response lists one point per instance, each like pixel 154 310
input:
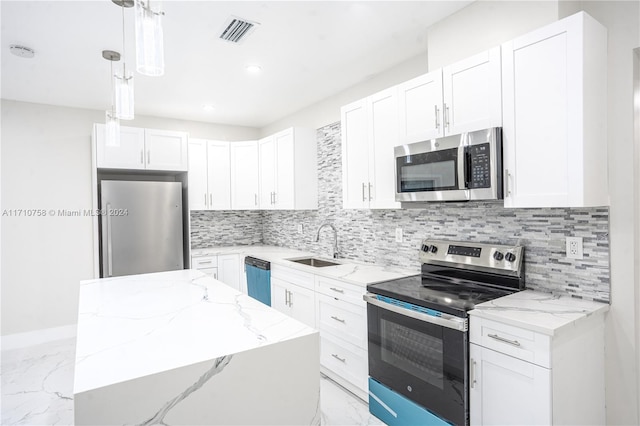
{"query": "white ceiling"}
pixel 307 50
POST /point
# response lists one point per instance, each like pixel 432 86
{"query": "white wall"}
pixel 46 164
pixel 483 25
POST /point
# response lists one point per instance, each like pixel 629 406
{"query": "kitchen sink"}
pixel 314 261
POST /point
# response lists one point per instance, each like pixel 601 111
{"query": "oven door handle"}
pixel 446 320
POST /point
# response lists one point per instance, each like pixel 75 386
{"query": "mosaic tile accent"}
pixel 369 235
pixel 225 228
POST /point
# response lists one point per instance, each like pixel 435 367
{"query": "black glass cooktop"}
pixel 454 298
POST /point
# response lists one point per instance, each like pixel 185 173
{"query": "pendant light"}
pixel 124 80
pixel 112 123
pixel 149 39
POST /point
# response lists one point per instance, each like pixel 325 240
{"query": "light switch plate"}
pixel 300 228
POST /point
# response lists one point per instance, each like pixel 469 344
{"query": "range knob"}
pixel 509 257
pixel 425 248
pixel 433 249
pixel 498 256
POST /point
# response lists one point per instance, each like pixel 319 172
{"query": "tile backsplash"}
pixel 369 235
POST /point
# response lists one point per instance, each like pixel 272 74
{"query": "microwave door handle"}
pixel 467 168
pixel 462 168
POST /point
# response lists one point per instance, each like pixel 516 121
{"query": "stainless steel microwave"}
pixel 462 167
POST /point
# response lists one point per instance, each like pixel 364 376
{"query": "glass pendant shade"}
pixel 123 86
pixel 149 39
pixel 112 128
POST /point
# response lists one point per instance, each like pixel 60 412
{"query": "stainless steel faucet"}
pixel 335 237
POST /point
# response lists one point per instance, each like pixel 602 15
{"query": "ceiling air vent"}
pixel 237 29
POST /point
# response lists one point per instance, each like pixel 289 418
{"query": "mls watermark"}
pixel 63 212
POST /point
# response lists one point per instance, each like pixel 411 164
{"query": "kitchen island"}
pixel 182 348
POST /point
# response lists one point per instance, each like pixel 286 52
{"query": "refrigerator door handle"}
pixel 109 245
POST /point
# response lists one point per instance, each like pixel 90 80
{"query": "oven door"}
pixel 420 355
pixel 432 170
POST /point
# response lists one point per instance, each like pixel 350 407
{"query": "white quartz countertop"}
pixel 134 326
pixel 540 312
pixel 351 271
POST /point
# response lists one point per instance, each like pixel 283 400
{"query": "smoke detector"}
pixel 22 51
pixel 237 29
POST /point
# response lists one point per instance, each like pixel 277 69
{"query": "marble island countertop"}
pixel 135 326
pixel 354 272
pixel 541 312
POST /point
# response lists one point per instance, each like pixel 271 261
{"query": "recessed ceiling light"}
pixel 22 51
pixel 208 107
pixel 253 69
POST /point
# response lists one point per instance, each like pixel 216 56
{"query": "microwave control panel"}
pixel 480 166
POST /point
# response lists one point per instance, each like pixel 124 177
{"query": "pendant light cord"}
pixel 124 50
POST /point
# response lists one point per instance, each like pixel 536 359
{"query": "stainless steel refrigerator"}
pixel 141 227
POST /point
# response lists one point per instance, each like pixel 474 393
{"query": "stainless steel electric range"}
pixel 418 330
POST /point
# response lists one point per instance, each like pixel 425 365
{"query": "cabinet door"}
pixel 280 296
pixel 420 108
pixel 302 303
pixel 355 156
pixel 472 93
pixel 284 170
pixel 267 167
pixel 219 175
pixel 229 270
pixel 212 272
pixel 383 137
pixel 166 150
pixel 198 193
pixel 244 175
pixel 128 155
pixel 507 391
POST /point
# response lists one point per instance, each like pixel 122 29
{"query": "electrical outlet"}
pixel 398 235
pixel 300 228
pixel 574 248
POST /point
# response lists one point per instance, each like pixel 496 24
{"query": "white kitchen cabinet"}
pixel 143 149
pixel 369 135
pixel 461 97
pixel 293 293
pixel 209 175
pixel 207 264
pixel 229 270
pixel 244 175
pixel 342 321
pixel 521 376
pixel 554 100
pixel 288 170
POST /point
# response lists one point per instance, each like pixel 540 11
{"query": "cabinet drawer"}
pixel 343 291
pixel 293 276
pixel 343 319
pixel 514 341
pixel 347 361
pixel 202 262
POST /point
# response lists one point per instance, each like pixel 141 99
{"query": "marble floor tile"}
pixel 37 389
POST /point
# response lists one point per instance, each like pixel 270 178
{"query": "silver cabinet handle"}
pixel 291 299
pixel 204 262
pixel 148 156
pixel 363 187
pixel 446 116
pixel 205 199
pixel 142 156
pixel 506 182
pixel 275 198
pixel 339 290
pixel 472 373
pixel 435 107
pixel 255 196
pixel 271 197
pixel 502 339
pixel 215 275
pixel 109 245
pixel 338 358
pixel 338 319
pixel 210 199
pixel 370 192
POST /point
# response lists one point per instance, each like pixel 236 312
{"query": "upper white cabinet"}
pixel 369 134
pixel 142 149
pixel 554 101
pixel 461 97
pixel 244 175
pixel 288 170
pixel 209 175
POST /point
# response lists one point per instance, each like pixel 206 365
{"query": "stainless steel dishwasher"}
pixel 258 279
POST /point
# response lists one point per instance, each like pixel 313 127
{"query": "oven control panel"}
pixel 497 258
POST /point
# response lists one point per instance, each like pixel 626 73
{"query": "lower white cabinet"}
pixel 520 376
pixel 292 293
pixel 227 268
pixel 207 264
